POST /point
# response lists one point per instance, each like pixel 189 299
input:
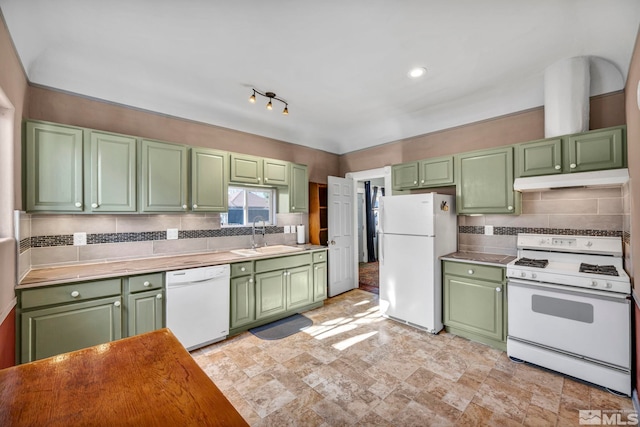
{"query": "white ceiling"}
pixel 341 65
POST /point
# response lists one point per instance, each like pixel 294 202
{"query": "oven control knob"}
pixel 609 285
pixel 523 274
pixel 594 283
pixel 534 275
pixel 589 244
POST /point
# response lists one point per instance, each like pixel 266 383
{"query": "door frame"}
pixel 383 172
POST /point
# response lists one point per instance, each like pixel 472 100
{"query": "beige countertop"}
pixel 95 271
pixel 499 260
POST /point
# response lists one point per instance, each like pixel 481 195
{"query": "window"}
pixel 247 205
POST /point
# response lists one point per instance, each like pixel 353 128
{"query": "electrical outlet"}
pixel 287 229
pixel 172 233
pixel 488 230
pixel 79 239
pixel 293 228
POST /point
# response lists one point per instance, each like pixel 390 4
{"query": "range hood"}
pixel 604 178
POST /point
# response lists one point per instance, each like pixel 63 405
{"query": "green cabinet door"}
pixel 475 306
pixel 595 150
pixel 405 176
pixel 276 172
pixel 209 180
pixel 145 312
pixel 299 287
pixel 50 331
pixel 110 176
pixel 163 177
pixel 243 301
pixel 436 172
pixel 543 157
pixel 245 169
pixel 271 293
pixel 53 167
pixel 485 182
pixel 320 281
pixel 299 189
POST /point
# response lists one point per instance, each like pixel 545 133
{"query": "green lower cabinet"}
pixel 474 304
pixel 271 293
pixel 299 287
pixel 50 331
pixel 243 301
pixel 320 281
pixel 145 312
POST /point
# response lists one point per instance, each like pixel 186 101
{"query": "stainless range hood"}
pixel 604 178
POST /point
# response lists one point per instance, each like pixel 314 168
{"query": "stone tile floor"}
pixel 353 367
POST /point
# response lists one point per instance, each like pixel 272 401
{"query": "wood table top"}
pixel 144 380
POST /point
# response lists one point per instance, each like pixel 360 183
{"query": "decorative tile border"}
pixel 145 236
pixel 513 231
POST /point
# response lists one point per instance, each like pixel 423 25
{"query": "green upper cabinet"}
pixel 434 172
pixel 53 169
pixel 595 150
pixel 543 157
pixel 405 176
pixel 111 173
pixel 245 169
pixel 163 177
pixel 485 182
pixel 209 180
pixel 299 189
pixel 276 172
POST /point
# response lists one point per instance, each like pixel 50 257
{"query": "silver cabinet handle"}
pixel 117 303
pixel 572 165
pixel 195 206
pixel 94 205
pixel 75 294
pixel 498 289
pixel 557 167
pixel 78 205
pixel 159 296
pixel 470 271
pixel 146 284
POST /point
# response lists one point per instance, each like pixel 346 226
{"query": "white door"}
pixel 342 268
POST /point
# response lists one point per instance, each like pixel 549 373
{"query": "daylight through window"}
pixel 247 205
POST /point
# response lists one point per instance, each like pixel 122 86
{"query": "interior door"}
pixel 342 266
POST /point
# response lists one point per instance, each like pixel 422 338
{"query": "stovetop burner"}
pixel 608 270
pixel 530 262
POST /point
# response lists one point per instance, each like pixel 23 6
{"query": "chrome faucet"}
pixel 253 231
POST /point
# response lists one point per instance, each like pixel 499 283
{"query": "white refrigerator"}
pixel 415 230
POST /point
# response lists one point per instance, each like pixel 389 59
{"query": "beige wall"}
pixel 606 110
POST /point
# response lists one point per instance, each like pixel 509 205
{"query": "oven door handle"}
pixel 610 296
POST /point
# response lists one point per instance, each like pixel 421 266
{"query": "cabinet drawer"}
pixel 241 268
pixel 320 256
pixel 476 271
pixel 64 294
pixel 145 282
pixel 283 262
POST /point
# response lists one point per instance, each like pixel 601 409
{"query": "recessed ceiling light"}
pixel 417 72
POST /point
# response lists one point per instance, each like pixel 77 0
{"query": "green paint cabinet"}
pixel 245 169
pixel 299 287
pixel 276 172
pixel 145 309
pixel 543 157
pixel 209 180
pixel 243 294
pixel 596 150
pixel 58 319
pixel 53 168
pixel 320 281
pixel 299 189
pixel 163 177
pixel 434 172
pixel 484 182
pixel 110 176
pixel 271 293
pixel 474 302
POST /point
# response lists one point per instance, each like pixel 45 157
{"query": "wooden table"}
pixel 145 380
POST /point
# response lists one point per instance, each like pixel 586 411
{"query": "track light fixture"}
pixel 271 96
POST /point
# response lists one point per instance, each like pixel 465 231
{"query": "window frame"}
pixel 247 188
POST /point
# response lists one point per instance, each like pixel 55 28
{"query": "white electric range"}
pixel 569 307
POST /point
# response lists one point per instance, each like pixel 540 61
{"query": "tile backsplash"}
pixel 582 211
pixel 47 239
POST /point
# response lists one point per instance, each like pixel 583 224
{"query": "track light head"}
pixel 271 96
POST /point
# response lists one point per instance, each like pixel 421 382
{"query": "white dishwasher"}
pixel 198 305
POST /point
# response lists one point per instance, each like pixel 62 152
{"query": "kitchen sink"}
pixel 266 250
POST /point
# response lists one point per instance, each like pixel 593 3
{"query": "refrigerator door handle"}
pixel 382 248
